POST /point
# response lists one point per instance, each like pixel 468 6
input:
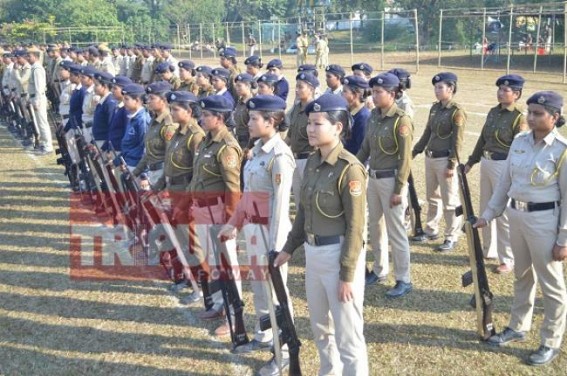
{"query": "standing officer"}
pixel 22 75
pixel 215 190
pixel 502 124
pixel 275 67
pixel 105 108
pixel 166 72
pixel 159 134
pixel 147 67
pixel 330 226
pixel 37 87
pixel 267 84
pixel 187 77
pixel 403 100
pixel 442 141
pixel 220 79
pixel 203 81
pixel 355 92
pixel 535 179
pixel 320 50
pixel 297 139
pixel 244 86
pixel 119 119
pixel 388 145
pixel 333 76
pixel 90 100
pixel 363 70
pixel 168 57
pixel 302 43
pixel 253 65
pixel 228 61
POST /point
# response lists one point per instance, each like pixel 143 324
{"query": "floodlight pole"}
pixel 416 42
pixel 537 38
pixel 482 50
pixel 440 40
pixel 509 39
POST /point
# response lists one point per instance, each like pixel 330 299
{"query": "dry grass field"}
pixel 52 325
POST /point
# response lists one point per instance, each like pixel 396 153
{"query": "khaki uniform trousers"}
pixel 40 109
pixel 442 194
pixel 391 231
pixel 202 228
pixel 258 276
pixel 495 236
pixel 297 179
pixel 534 235
pixel 337 327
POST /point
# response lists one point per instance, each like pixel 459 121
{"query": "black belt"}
pixel 204 202
pixel 318 240
pixel 23 95
pixel 156 166
pixel 495 156
pixel 65 117
pixel 437 154
pixel 176 180
pixel 32 95
pixel 533 206
pixel 303 155
pixel 382 174
pixel 257 220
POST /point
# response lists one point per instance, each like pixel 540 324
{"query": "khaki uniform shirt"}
pixel 37 84
pixel 498 132
pixel 175 83
pixel 205 92
pixel 107 65
pixel 216 170
pixel 23 75
pixel 297 132
pixel 159 134
pixel 147 70
pixel 234 71
pixel 387 143
pixel 180 152
pixel 6 77
pixel 65 97
pixel 89 105
pixel 534 172
pixel 240 116
pixel 333 202
pixel 189 85
pixel 445 131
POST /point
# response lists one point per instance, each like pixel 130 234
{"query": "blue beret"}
pixel 548 99
pixel 165 46
pixel 356 82
pixel 164 67
pixel 88 71
pixel 216 103
pixel 366 68
pixel 75 68
pixel 266 103
pixel 253 60
pixel 513 81
pixel 52 47
pixel 275 63
pixel 20 52
pixel 401 73
pixel 326 103
pixel 133 90
pixel 104 77
pixel 307 68
pixel 335 69
pixel 159 87
pixel 7 55
pixel 79 51
pixel 221 72
pixel 388 80
pixel 244 77
pixel 444 76
pixel 186 64
pixel 181 96
pixel 204 69
pixel 93 51
pixel 121 81
pixel 308 77
pixel 66 64
pixel 269 78
pixel 228 52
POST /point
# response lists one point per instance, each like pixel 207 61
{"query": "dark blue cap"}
pixel 221 72
pixel 133 90
pixel 326 103
pixel 269 79
pixel 275 63
pixel 20 52
pixel 244 77
pixel 165 46
pixel 164 67
pixel 216 103
pixel 402 74
pixel 366 68
pixel 88 71
pixel 445 77
pixel 513 81
pixel 104 77
pixel 181 96
pixel 93 51
pixel 121 81
pixel 204 69
pixel 387 80
pixel 66 64
pixel 186 64
pixel 75 68
pixel 228 52
pixel 7 55
pixel 158 88
pixel 253 60
pixel 307 68
pixel 355 82
pixel 548 99
pixel 266 103
pixel 335 69
pixel 308 77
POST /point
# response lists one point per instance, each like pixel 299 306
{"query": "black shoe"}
pixel 542 356
pixel 423 237
pixel 372 279
pixel 447 246
pixel 401 289
pixel 253 345
pixel 506 336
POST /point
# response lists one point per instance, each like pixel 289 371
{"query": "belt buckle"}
pixel 522 206
pixel 487 154
pixel 429 153
pixel 311 238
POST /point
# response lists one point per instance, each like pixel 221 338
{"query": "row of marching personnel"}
pixel 345 163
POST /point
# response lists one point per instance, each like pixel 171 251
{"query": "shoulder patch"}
pixel 231 161
pixel 404 130
pixel 355 188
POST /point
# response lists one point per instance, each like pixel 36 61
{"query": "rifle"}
pixel 477 274
pixel 62 149
pixel 416 207
pixel 228 287
pixel 285 320
pixel 86 178
pixel 32 124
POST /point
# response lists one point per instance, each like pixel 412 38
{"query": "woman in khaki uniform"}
pixel 331 225
pixel 165 71
pixel 534 181
pixel 187 77
pixel 442 141
pixel 502 124
pixel 203 81
pixel 244 83
pixel 387 149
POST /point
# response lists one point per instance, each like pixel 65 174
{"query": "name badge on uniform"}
pixel 208 155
